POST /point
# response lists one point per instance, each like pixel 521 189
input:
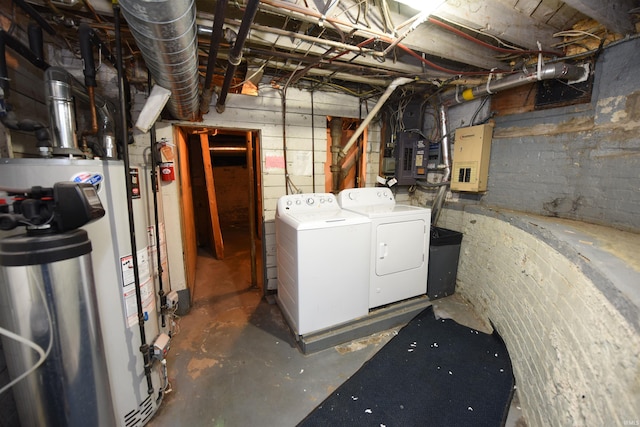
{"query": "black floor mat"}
pixel 435 372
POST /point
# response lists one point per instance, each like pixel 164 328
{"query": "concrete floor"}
pixel 235 363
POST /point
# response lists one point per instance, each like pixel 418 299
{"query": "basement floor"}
pixel 234 362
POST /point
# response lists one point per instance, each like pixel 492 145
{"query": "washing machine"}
pixel 323 262
pixel 399 243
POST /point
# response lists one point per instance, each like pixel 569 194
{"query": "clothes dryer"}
pixel 323 262
pixel 399 243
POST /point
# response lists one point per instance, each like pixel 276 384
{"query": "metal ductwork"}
pixel 441 195
pixel 165 31
pixel 558 70
pixel 63 93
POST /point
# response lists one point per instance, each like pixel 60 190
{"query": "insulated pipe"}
pixel 387 93
pixel 216 36
pixel 235 55
pixel 9 41
pixel 36 41
pixel 36 16
pixel 156 222
pixel 441 195
pixel 165 31
pixel 89 70
pixel 559 70
pixel 85 32
pixel 144 347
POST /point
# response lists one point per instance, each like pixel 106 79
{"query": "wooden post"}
pixel 252 211
pixel 211 193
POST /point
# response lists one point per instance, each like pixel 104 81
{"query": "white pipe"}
pixel 387 93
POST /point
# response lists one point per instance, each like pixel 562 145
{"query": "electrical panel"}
pixel 412 154
pixel 471 153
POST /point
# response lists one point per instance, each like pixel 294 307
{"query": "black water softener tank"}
pixel 48 309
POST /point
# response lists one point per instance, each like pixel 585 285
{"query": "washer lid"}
pixel 321 219
pixel 377 211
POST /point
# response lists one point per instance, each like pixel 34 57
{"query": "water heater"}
pixel 134 400
pixel 471 153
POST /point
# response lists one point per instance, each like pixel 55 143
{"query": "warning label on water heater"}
pixel 129 286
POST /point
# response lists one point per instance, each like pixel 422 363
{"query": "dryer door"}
pixel 400 246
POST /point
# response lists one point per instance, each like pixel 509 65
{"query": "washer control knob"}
pixel 289 202
pixel 298 202
pixel 310 201
pixel 321 200
pixel 353 195
pixel 330 200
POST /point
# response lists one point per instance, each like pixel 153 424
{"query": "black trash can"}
pixel 444 252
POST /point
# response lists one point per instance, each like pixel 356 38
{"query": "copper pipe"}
pixel 94 119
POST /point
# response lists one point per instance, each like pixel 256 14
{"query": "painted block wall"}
pixel 306 146
pixel 169 197
pixel 580 162
pixel 574 353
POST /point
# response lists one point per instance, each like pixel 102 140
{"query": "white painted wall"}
pixel 264 114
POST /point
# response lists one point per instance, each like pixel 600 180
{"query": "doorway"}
pixel 222 207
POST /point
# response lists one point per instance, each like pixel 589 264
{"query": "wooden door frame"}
pixel 182 134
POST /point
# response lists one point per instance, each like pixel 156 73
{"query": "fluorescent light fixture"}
pixel 424 6
pixel 152 108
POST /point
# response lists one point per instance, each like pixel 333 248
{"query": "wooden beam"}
pixel 614 15
pixel 211 193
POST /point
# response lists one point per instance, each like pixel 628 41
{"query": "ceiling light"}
pixel 152 108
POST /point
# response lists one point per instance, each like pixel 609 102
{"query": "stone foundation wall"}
pixel 574 353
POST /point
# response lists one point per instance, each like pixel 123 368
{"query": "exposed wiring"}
pixel 42 353
pixel 342 88
pixel 482 33
pixel 576 33
pixel 484 44
pixel 255 73
pixel 475 114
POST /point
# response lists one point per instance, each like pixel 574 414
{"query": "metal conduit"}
pixel 558 70
pixel 165 31
pixel 441 195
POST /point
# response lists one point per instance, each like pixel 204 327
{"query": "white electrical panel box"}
pixel 471 153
